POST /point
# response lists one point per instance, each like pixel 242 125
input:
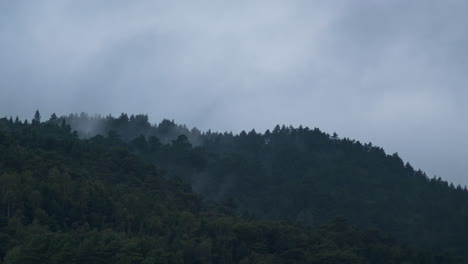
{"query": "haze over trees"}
pixel 82 189
pixel 300 174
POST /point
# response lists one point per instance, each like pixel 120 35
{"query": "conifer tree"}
pixel 53 117
pixel 37 118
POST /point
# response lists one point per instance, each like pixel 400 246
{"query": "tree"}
pixel 37 118
pixel 53 117
pixel 335 136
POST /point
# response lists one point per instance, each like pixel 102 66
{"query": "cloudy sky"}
pixel 390 72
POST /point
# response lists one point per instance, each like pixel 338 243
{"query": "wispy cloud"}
pixel 392 72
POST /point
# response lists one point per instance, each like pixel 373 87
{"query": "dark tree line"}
pixel 302 175
pixel 101 200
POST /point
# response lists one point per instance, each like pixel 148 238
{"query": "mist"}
pixel 392 73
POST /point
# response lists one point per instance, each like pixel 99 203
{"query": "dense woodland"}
pixel 301 175
pixel 82 189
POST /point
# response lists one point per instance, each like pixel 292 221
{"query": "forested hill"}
pixel 299 174
pixel 66 200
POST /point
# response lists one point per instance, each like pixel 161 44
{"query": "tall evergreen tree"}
pixel 53 117
pixel 37 118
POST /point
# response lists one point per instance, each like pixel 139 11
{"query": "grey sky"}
pixel 390 72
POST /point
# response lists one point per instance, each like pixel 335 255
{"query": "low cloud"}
pixel 390 72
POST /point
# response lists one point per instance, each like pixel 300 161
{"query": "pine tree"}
pixel 37 118
pixel 53 117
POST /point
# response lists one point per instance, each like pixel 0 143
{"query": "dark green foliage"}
pixel 66 200
pixel 304 175
pixel 37 118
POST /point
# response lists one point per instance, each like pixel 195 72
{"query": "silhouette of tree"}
pixel 37 118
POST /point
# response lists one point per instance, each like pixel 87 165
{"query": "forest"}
pixel 82 189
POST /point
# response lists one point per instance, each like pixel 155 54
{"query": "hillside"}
pixel 66 200
pixel 301 175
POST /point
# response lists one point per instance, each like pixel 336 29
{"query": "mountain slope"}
pixel 66 200
pixel 302 175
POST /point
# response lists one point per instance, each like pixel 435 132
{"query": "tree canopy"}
pixel 302 175
pixel 109 198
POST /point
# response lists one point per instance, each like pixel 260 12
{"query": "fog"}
pixel 390 72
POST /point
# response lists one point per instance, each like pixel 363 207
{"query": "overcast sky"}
pixel 393 72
